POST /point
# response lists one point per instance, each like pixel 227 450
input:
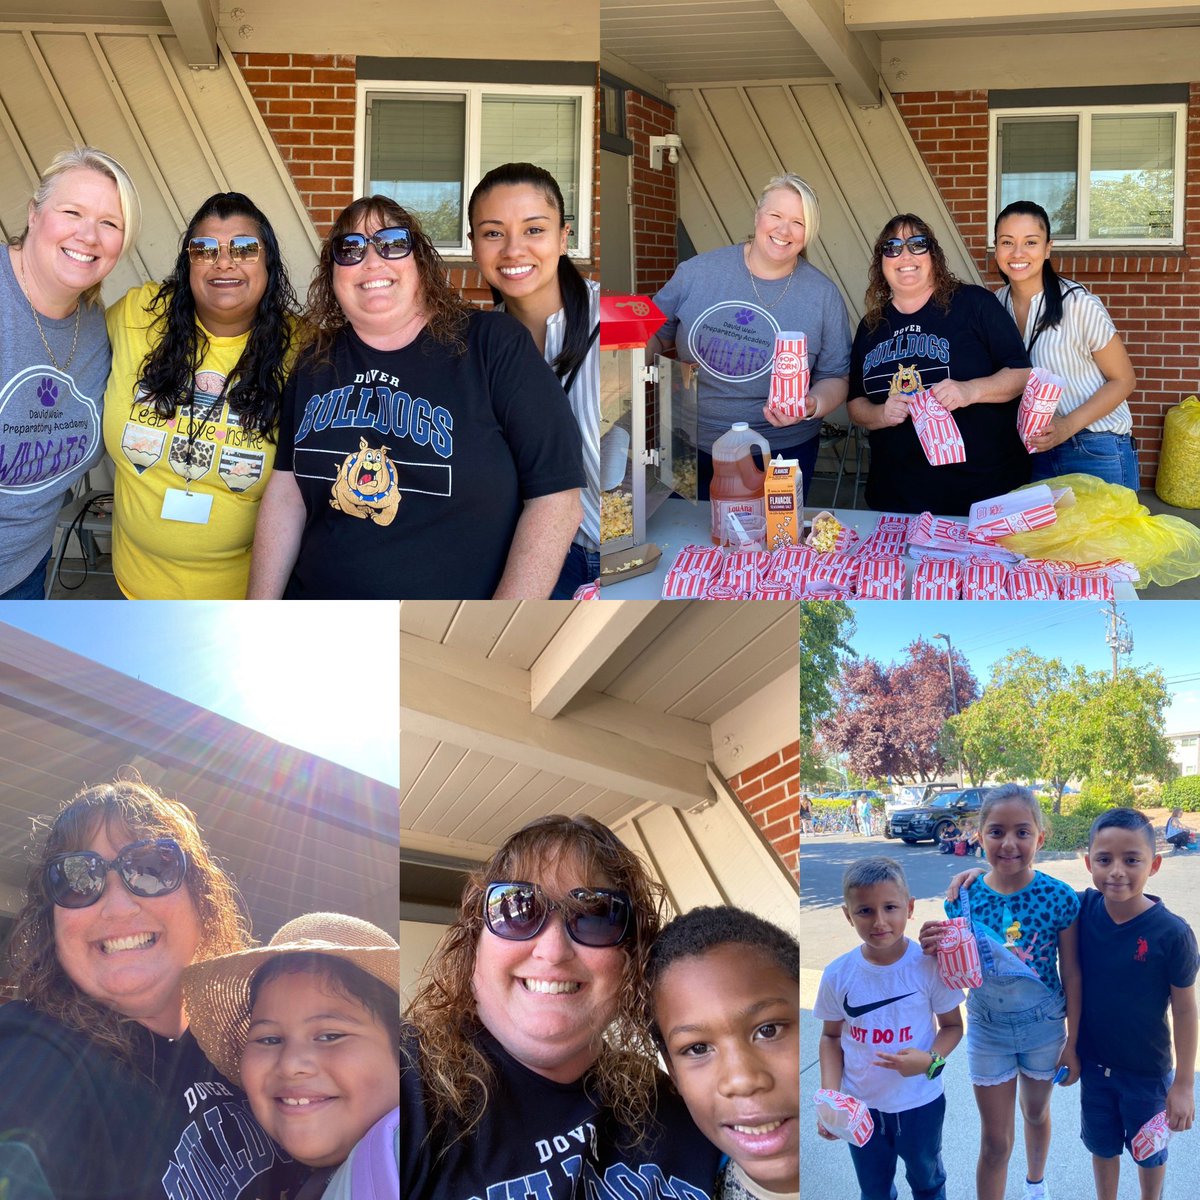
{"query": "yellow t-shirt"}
pixel 156 558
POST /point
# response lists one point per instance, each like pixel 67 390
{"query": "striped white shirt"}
pixel 584 398
pixel 1068 349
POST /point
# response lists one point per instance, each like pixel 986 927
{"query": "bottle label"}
pixel 752 508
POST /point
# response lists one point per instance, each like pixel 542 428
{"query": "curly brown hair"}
pixel 128 810
pixel 445 310
pixel 879 294
pixel 456 1075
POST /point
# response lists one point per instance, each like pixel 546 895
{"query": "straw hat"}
pixel 216 993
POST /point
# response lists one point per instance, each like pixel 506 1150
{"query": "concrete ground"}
pixel 821 495
pixel 826 1170
pixel 73 583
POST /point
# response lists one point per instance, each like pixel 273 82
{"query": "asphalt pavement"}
pixel 826 1171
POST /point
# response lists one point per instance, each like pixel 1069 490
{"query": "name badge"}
pixel 191 507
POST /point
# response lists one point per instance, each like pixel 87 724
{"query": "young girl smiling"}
pixel 1023 1020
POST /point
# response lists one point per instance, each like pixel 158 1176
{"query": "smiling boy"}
pixel 890 1023
pixel 726 996
pixel 1137 959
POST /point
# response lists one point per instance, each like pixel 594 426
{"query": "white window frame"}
pixel 1083 214
pixel 473 94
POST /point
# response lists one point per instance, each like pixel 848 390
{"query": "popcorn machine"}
pixel 647 434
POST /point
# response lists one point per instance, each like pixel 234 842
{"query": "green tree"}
pixel 825 626
pixel 1005 734
pixel 1120 731
pixel 1039 719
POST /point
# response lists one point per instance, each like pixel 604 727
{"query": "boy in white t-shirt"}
pixel 890 1022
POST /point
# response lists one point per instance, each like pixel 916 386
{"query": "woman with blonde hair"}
pixel 108 1096
pixel 54 356
pixel 526 1050
pixel 724 308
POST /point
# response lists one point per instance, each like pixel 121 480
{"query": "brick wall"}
pixel 1153 298
pixel 307 103
pixel 770 792
pixel 654 193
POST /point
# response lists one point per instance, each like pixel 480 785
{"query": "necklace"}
pixel 36 320
pixel 754 284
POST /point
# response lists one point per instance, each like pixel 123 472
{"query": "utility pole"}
pixel 1117 635
pixel 953 693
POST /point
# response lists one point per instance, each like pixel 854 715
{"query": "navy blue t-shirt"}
pixel 414 464
pixel 974 340
pixel 544 1139
pixel 1128 972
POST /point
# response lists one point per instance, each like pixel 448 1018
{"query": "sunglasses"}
pixel 242 249
pixel 894 247
pixel 518 912
pixel 351 248
pixel 147 869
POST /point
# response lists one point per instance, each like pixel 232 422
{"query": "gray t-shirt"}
pixel 716 319
pixel 49 420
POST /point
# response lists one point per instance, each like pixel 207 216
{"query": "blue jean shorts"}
pixel 1014 1025
pixel 1115 1104
pixel 1109 456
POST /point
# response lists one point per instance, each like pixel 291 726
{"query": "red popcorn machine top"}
pixel 647 434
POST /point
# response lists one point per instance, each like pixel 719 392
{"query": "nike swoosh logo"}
pixel 851 1011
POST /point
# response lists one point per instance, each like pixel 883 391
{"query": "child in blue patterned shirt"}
pixel 1024 1019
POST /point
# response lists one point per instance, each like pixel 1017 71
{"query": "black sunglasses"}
pixel 894 247
pixel 242 249
pixel 518 912
pixel 147 869
pixel 351 248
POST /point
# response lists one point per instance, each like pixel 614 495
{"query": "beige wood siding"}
pixel 181 134
pixel 860 161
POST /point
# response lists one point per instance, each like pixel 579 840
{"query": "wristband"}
pixel 936 1067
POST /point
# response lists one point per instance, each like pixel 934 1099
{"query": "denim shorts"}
pixel 1109 456
pixel 1013 1025
pixel 1115 1104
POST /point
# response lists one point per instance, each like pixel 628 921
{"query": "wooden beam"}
pixel 875 15
pixel 1063 60
pixel 437 705
pixel 591 635
pixel 196 29
pixel 853 59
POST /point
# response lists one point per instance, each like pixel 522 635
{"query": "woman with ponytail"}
pixel 1069 333
pixel 519 231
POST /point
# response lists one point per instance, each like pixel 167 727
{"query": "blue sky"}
pixel 1166 634
pixel 323 677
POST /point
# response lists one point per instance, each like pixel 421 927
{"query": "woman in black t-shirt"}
pixel 526 1063
pixel 106 1094
pixel 925 330
pixel 426 450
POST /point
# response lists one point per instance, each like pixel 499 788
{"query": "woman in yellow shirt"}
pixel 192 405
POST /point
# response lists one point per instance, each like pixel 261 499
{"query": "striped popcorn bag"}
pixel 1039 402
pixel 1151 1138
pixel 789 375
pixel 958 955
pixel 937 430
pixel 844 1116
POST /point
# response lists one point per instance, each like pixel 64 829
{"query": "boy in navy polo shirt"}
pixel 1137 958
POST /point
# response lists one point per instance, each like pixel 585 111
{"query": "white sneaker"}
pixel 1036 1191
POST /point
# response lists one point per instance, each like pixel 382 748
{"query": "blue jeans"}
pixel 915 1137
pixel 33 586
pixel 580 566
pixel 1109 456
